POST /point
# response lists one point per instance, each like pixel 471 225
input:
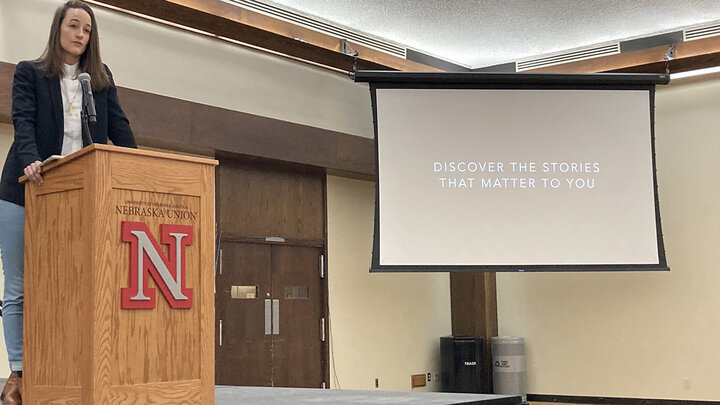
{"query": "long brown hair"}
pixel 51 60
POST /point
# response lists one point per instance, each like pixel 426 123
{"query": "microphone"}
pixel 88 100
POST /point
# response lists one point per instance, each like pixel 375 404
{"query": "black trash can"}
pixel 462 363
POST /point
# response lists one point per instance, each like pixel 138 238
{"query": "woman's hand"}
pixel 32 171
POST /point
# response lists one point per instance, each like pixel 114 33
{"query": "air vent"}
pixel 320 26
pixel 569 57
pixel 702 32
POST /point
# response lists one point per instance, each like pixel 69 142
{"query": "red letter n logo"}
pixel 147 257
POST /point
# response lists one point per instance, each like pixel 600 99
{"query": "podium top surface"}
pixel 117 149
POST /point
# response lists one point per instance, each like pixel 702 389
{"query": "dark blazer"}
pixel 37 114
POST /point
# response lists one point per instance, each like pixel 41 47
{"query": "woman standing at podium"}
pixel 46 105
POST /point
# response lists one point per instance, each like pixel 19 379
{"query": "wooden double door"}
pixel 270 297
pixel 270 315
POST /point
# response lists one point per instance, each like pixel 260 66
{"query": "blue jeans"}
pixel 12 249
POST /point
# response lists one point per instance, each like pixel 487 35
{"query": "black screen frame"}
pixel 525 81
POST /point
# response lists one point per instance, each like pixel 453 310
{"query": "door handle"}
pixel 276 317
pixel 220 262
pixel 268 309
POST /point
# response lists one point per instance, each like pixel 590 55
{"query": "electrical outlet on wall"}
pixel 429 377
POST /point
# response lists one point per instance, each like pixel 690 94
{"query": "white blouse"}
pixel 72 105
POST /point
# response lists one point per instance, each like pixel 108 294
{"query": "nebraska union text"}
pixel 155 212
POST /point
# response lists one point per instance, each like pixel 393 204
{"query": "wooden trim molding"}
pixel 174 124
pixel 231 21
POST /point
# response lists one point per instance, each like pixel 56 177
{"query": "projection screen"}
pixel 515 172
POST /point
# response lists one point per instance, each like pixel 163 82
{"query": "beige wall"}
pixel 384 326
pixel 640 335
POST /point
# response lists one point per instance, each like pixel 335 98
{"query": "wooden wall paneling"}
pixel 223 130
pixel 262 200
pixel 160 121
pixel 204 129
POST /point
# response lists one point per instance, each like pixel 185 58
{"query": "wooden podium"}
pixel 119 274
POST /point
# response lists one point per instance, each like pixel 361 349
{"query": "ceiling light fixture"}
pixel 694 73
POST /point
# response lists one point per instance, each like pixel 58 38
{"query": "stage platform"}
pixel 226 395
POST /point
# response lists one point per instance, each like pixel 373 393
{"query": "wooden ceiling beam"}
pixel 230 21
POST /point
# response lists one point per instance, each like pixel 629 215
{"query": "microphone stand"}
pixel 87 140
pixel 86 137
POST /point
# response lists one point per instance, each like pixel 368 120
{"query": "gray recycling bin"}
pixel 508 359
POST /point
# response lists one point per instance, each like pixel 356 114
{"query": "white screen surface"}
pixel 515 177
